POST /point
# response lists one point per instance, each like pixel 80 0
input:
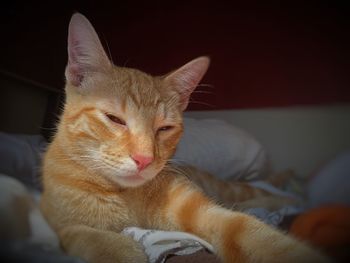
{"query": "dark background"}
pixel 263 54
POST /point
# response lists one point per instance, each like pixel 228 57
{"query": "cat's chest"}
pixel 108 212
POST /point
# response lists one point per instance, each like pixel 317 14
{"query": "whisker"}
pixel 205 85
pixel 47 128
pixel 126 62
pixel 108 49
pixel 177 161
pixel 201 103
pixel 203 92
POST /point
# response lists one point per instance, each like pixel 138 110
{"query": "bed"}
pixel 308 144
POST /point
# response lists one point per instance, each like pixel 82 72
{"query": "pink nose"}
pixel 142 161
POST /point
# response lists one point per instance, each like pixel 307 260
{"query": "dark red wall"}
pixel 262 55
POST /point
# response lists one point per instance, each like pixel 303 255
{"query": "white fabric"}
pixel 158 245
pixel 221 149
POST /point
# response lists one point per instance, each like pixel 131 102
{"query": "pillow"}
pixel 331 184
pixel 221 149
pixel 20 157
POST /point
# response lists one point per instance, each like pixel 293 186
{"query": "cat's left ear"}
pixel 85 51
pixel 185 79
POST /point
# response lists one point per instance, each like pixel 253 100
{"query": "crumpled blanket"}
pixel 274 218
pixel 158 245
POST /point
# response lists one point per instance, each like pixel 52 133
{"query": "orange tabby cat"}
pixel 105 169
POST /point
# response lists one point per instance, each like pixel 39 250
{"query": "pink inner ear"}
pixel 75 68
pixel 73 48
pixel 76 57
pixel 75 75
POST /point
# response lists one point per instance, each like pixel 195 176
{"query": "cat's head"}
pixel 120 122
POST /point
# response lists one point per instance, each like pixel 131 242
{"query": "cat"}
pixel 106 168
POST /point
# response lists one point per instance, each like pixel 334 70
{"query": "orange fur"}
pixel 93 187
pixel 188 214
pixel 235 230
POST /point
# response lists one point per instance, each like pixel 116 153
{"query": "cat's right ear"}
pixel 85 51
pixel 185 79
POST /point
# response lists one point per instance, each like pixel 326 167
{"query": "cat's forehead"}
pixel 137 89
pixel 133 91
pixel 134 82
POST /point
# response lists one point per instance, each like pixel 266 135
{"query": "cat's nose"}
pixel 142 161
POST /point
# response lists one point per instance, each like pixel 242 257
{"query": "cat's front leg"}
pixel 242 238
pixel 98 246
pixel 237 237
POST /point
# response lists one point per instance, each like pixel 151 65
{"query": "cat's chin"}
pixel 131 180
pixel 128 181
pixel 137 179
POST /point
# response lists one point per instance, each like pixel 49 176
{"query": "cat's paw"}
pixel 15 207
pixel 131 252
pixel 126 251
pixel 98 246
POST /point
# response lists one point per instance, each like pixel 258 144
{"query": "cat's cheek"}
pixel 167 148
pixel 167 152
pixel 169 145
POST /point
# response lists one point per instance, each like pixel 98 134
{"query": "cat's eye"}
pixel 165 128
pixel 115 119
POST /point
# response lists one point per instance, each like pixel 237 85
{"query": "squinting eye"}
pixel 165 128
pixel 115 119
